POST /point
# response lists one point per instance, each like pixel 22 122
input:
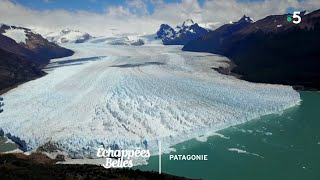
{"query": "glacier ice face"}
pixel 130 97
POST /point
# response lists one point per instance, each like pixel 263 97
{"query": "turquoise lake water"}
pixel 279 146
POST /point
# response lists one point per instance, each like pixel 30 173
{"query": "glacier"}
pixel 128 97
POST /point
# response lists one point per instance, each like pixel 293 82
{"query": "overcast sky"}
pixel 103 17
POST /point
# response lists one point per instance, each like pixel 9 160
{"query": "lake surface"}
pixel 280 146
pixel 6 145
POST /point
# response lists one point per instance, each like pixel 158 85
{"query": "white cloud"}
pixel 137 7
pixel 133 16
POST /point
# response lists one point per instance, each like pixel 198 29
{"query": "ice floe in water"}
pixel 204 138
pixel 240 151
pixel 130 97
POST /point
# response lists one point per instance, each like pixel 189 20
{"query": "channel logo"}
pixel 295 18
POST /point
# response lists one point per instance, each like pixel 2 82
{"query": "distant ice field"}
pixel 131 97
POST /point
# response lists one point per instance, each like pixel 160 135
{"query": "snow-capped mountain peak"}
pixel 165 31
pixel 246 19
pixel 181 34
pixel 188 22
pixel 68 36
pixel 65 31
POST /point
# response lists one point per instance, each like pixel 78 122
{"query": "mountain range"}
pixel 180 35
pixel 270 50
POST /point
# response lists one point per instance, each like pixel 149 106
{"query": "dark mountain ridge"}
pixel 271 50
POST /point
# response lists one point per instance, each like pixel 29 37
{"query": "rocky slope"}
pixel 22 55
pixel 15 69
pixel 39 166
pixel 270 50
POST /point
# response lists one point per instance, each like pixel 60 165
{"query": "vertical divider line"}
pixel 159 144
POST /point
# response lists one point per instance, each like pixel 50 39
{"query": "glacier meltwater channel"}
pixel 127 97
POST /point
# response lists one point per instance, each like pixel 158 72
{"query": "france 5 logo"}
pixel 295 18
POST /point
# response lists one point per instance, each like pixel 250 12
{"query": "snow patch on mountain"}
pixel 245 19
pixel 165 31
pixel 188 26
pixel 19 35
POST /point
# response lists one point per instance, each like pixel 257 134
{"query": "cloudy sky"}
pixel 106 17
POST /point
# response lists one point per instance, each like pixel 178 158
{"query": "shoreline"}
pixel 229 70
pixel 5 90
